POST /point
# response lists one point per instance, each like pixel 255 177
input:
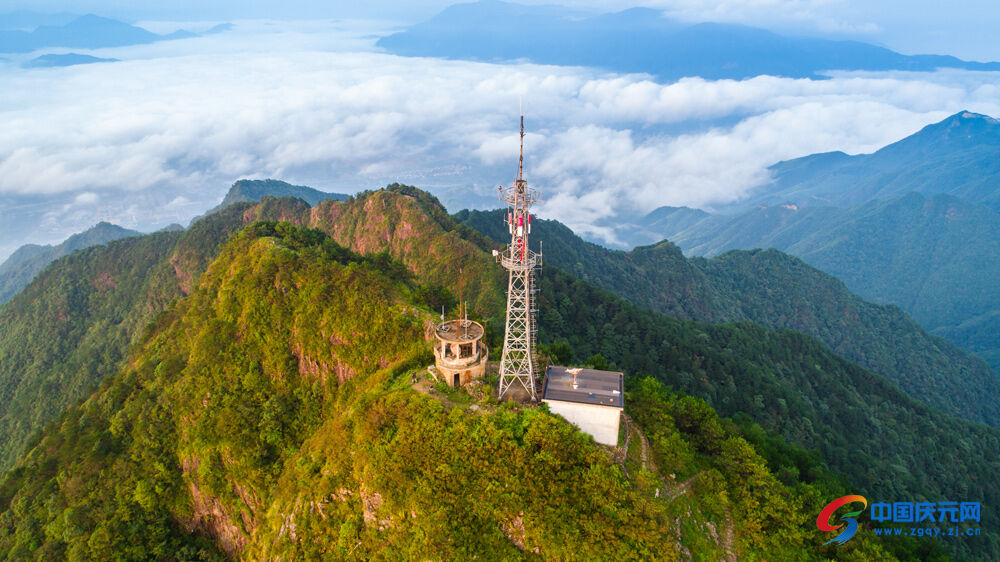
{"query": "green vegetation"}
pixel 269 410
pixel 68 330
pixel 884 442
pixel 268 414
pixel 72 326
pixel 413 227
pixel 750 478
pixel 979 334
pixel 29 260
pixel 778 291
pixel 211 390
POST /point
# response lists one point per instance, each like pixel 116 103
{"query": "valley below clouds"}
pixel 159 136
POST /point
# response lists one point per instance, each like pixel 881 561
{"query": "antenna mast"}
pixel 520 158
pixel 518 364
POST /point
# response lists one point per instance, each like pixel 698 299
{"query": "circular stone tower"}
pixel 459 354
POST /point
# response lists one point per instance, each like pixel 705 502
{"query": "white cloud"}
pixel 600 171
pixel 616 173
pixel 86 198
pixel 179 203
pixel 164 132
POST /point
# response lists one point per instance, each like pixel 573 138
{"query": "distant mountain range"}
pixel 29 260
pixel 84 32
pixel 67 59
pixel 253 190
pixel 642 40
pixel 916 224
pixel 959 156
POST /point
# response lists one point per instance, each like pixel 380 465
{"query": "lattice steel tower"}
pixel 517 364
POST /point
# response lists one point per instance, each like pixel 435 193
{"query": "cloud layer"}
pixel 158 137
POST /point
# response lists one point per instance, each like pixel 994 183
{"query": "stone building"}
pixel 459 353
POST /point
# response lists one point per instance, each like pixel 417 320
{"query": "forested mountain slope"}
pixel 916 224
pixel 29 260
pixel 305 442
pixel 778 291
pixel 268 310
pixel 887 444
pixel 934 256
pixel 71 327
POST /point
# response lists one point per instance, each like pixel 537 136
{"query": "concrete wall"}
pixel 468 369
pixel 599 421
pixel 465 374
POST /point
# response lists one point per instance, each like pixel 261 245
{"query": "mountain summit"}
pixel 959 156
pixel 85 32
pixel 964 130
pixel 254 190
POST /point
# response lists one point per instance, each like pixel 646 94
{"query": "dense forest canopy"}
pixel 183 455
pixel 775 290
pixel 258 407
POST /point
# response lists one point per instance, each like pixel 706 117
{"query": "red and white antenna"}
pixel 517 363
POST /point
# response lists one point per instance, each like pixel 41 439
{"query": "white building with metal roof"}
pixel 589 399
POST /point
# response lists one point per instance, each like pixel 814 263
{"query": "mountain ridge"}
pixel 64 59
pixel 913 224
pixel 357 461
pixel 934 256
pixel 775 290
pixel 957 155
pixel 246 190
pixel 645 41
pixel 84 32
pixel 29 260
pixel 72 326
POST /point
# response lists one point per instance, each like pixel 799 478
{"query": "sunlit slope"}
pixel 886 444
pixel 29 260
pixel 71 327
pixel 268 414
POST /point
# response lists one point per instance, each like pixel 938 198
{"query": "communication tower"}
pixel 517 363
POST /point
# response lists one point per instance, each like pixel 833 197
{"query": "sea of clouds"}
pixel 158 137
